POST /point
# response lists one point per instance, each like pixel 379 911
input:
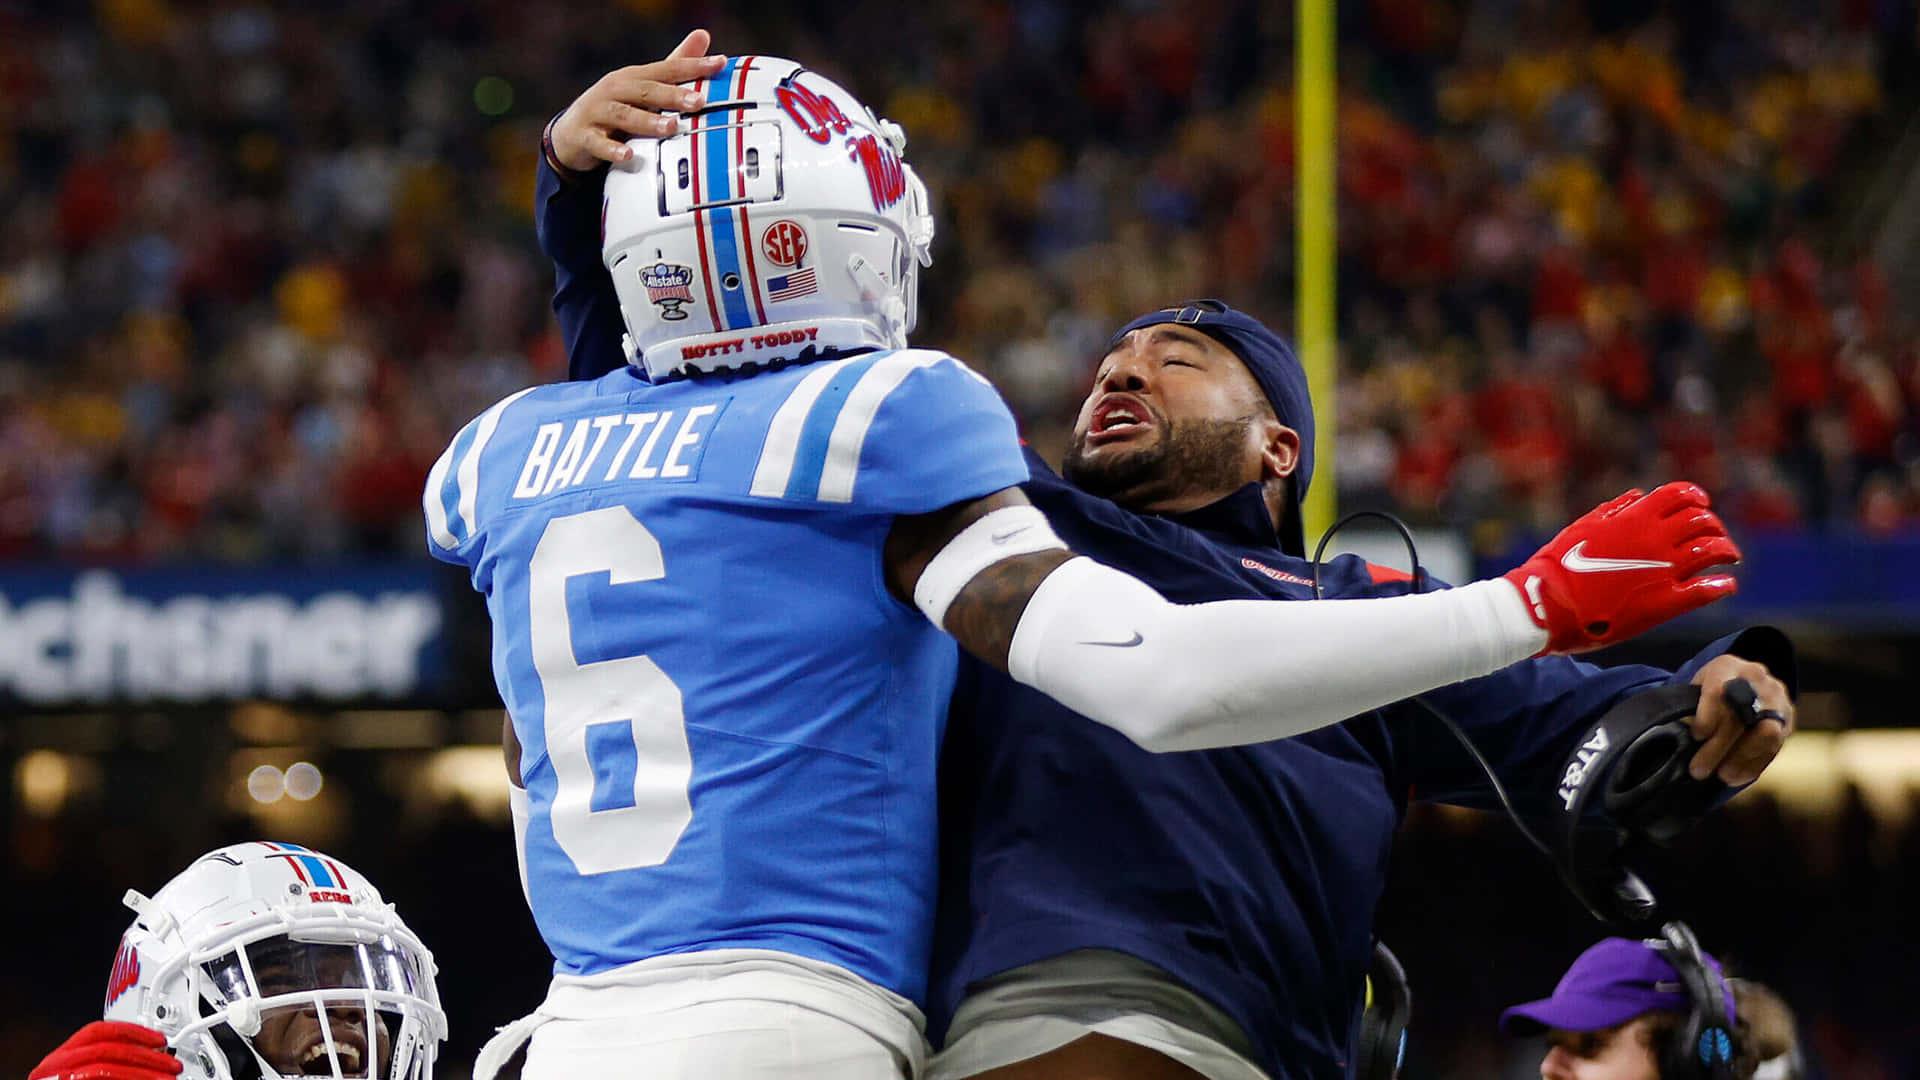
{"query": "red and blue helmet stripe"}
pixel 316 870
pixel 725 235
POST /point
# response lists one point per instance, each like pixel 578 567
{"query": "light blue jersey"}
pixel 728 725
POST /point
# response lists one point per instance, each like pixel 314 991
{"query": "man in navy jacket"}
pixel 1111 911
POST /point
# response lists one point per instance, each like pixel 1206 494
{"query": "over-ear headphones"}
pixel 1705 1045
pixel 1381 1045
pixel 1635 761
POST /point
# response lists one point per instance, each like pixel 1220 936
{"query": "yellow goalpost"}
pixel 1314 235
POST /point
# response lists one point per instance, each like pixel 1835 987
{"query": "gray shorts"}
pixel 1043 1006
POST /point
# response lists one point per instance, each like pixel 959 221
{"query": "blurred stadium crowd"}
pixel 257 261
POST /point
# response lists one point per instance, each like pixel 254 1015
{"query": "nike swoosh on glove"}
pixel 110 1050
pixel 1626 566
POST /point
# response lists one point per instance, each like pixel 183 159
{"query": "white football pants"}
pixel 734 1014
pixel 723 1040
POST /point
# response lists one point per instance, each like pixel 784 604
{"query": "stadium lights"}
pixel 47 780
pixel 472 775
pixel 1815 777
pixel 286 796
pixel 384 729
pixel 259 776
pixel 303 781
pixel 1817 771
pixel 266 722
pixel 266 783
pixel 300 782
pixel 1886 766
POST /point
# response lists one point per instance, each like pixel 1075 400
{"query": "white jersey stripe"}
pixel 469 475
pixel 435 503
pixel 856 416
pixel 783 435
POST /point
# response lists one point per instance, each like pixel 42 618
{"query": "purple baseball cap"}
pixel 1611 983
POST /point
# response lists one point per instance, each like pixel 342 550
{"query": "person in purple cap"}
pixel 1621 1010
pixel 1106 911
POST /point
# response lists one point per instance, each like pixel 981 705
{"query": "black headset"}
pixel 1634 761
pixel 1706 1044
pixel 1381 1045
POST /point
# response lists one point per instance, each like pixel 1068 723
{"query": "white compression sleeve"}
pixel 1194 676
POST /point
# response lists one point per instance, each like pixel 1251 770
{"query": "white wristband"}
pixel 1002 534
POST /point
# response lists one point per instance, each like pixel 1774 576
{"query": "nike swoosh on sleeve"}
pixel 1136 639
pixel 1003 537
pixel 1577 560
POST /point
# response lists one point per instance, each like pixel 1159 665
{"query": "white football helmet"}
pixel 272 960
pixel 780 218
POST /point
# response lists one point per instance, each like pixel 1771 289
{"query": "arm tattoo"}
pixel 987 611
pixel 983 617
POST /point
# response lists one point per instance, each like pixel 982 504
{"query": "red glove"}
pixel 110 1050
pixel 1628 565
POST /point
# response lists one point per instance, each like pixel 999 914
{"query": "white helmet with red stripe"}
pixel 780 218
pixel 266 960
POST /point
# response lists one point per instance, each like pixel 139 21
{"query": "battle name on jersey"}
pixel 665 444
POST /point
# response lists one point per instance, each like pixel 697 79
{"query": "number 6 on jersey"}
pixel 616 730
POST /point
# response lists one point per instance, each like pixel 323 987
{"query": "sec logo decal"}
pixel 784 243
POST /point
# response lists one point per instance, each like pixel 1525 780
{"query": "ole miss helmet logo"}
pixel 886 176
pixel 126 972
pixel 819 119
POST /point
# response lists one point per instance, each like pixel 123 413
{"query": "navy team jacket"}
pixel 1250 873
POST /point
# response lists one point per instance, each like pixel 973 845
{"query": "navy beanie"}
pixel 1274 367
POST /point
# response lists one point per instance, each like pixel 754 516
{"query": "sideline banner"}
pixel 179 635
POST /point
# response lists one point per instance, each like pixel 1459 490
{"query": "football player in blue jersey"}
pixel 703 569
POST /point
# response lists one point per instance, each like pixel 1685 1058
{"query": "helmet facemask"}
pixel 340 1005
pixel 270 960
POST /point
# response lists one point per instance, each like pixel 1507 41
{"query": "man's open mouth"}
pixel 351 1048
pixel 1118 416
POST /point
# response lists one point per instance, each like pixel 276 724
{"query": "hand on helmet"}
pixel 627 102
pixel 1626 566
pixel 110 1050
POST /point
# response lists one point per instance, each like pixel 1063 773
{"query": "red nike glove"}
pixel 110 1050
pixel 1628 565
